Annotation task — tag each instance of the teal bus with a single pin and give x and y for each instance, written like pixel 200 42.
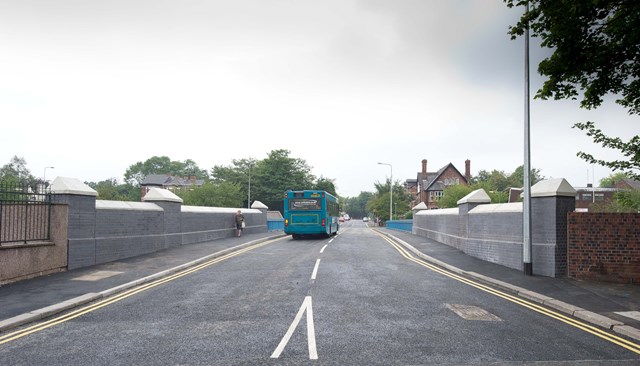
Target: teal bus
pixel 310 212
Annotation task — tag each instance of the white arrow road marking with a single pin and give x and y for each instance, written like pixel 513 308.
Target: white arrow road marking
pixel 311 333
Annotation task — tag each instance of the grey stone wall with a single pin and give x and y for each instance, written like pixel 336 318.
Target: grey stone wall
pixel 124 233
pixel 445 226
pixel 493 232
pixel 104 231
pixel 496 237
pixel 81 229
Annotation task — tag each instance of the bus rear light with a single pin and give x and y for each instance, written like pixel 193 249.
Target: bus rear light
pixel 286 222
pixel 324 223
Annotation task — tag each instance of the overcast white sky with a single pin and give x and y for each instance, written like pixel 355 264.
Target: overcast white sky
pixel 92 87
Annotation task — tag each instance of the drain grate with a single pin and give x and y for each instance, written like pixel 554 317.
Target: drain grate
pixel 470 312
pixel 96 276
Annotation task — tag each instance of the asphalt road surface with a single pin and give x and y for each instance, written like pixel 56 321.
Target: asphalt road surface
pixel 352 299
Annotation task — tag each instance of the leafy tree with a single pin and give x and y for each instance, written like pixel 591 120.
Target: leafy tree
pixel 612 180
pixel 623 201
pixel 629 149
pixel 213 194
pixel 325 184
pixel 270 177
pixel 278 173
pixel 356 207
pixel 452 194
pixel 162 165
pixel 496 180
pixel 110 189
pixel 499 181
pixel 379 203
pixel 595 52
pixel 516 179
pixel 240 172
pixel 16 172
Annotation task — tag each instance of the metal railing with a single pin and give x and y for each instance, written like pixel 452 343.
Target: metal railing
pixel 25 213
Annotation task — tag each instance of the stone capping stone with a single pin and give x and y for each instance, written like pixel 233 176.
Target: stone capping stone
pixel 497 208
pixel 419 207
pixel 66 185
pixel 160 194
pixel 125 205
pixel 442 211
pixel 553 187
pixel 204 209
pixel 259 205
pixel 477 196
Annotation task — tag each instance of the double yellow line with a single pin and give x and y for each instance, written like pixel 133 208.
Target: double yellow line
pixel 631 346
pixel 123 295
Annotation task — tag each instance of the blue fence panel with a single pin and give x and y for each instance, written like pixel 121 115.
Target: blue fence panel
pixel 402 225
pixel 275 225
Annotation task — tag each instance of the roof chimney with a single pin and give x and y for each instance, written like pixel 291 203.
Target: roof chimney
pixel 467 171
pixel 424 167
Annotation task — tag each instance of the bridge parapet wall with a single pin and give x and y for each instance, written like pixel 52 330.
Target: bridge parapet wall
pixel 493 232
pixel 103 231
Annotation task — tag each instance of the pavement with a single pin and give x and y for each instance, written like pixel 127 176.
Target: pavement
pixel 612 306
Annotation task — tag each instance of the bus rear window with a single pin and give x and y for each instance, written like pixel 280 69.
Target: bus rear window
pixel 304 204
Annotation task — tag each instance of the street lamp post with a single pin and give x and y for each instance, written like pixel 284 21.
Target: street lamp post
pixel 44 176
pixel 526 205
pixel 390 191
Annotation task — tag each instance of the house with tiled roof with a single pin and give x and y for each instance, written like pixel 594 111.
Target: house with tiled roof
pixel 430 186
pixel 628 183
pixel 168 181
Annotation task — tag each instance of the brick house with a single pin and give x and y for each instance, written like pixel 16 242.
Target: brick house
pixel 590 195
pixel 429 186
pixel 167 181
pixel 627 183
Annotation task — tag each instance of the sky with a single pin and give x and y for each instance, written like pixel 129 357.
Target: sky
pixel 93 87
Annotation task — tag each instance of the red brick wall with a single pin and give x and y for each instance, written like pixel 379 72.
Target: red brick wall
pixel 604 246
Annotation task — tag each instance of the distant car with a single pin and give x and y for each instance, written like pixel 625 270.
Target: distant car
pixel 365 219
pixel 341 219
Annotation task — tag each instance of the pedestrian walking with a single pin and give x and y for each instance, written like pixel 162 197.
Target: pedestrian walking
pixel 239 222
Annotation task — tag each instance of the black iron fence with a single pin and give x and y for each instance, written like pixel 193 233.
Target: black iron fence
pixel 25 212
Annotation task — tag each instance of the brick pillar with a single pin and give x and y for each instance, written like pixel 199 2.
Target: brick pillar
pixel 473 199
pixel 81 201
pixel 172 206
pixel 551 202
pixel 260 223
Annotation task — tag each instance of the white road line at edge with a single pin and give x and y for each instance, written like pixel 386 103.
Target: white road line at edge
pixel 311 334
pixel 322 250
pixel 315 270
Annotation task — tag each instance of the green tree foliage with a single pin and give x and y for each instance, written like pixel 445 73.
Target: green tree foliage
pixel 630 150
pixel 612 180
pixel 278 173
pixel 270 177
pixel 595 52
pixel 499 181
pixel 240 172
pixel 379 203
pixel 496 183
pixel 16 172
pixel 356 207
pixel 325 184
pixel 110 189
pixel 162 165
pixel 452 194
pixel 213 194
